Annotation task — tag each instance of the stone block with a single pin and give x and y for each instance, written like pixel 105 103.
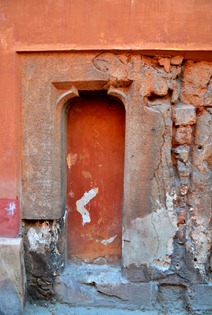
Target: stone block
pixel 92 285
pixel 142 295
pixel 12 276
pixel 172 295
pixel 201 299
pixel 184 115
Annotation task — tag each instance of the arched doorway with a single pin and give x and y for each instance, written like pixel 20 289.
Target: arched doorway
pixel 95 172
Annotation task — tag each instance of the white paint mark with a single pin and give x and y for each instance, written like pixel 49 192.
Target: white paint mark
pixel 109 240
pixel 11 208
pixel 86 198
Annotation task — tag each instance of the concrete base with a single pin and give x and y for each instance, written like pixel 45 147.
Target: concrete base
pixel 12 276
pixel 102 286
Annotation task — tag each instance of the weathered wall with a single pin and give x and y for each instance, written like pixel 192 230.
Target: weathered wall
pixel 167 182
pixel 170 101
pixel 48 26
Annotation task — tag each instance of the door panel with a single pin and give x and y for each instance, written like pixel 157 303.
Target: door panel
pixel 95 170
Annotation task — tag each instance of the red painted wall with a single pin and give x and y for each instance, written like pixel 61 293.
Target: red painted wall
pixel 37 25
pixel 9 217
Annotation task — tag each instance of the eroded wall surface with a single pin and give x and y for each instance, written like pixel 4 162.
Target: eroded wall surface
pixel 166 239
pixel 168 153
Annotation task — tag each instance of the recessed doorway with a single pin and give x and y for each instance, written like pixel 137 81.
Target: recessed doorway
pixel 95 173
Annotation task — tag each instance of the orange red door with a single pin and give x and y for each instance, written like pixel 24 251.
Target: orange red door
pixel 95 171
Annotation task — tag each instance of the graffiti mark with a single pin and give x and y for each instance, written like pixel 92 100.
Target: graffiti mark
pixel 80 204
pixel 11 208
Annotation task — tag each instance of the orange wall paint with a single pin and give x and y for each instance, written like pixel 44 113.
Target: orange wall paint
pixel 106 24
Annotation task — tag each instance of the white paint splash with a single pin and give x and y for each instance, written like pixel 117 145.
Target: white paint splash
pixel 86 198
pixel 109 240
pixel 11 208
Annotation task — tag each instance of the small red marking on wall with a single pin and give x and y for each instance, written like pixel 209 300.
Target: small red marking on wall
pixel 9 217
pixel 95 171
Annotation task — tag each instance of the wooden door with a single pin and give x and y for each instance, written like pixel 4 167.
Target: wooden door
pixel 95 171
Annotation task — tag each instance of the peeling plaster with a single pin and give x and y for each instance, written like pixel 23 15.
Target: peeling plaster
pixel 80 204
pixel 71 159
pixel 42 236
pixel 39 237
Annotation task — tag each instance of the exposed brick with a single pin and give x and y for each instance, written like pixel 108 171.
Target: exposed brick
pixel 196 88
pixel 176 60
pixel 184 115
pixel 165 62
pixel 183 135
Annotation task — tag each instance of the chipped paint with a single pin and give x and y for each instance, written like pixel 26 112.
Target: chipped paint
pixel 80 204
pixel 68 160
pixel 11 208
pixel 109 240
pixel 86 174
pixel 71 194
pixel 71 159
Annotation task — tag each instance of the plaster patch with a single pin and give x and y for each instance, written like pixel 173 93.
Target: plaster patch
pixel 80 204
pixel 109 240
pixel 151 237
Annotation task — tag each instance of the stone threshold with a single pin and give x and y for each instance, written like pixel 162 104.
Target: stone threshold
pixel 102 286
